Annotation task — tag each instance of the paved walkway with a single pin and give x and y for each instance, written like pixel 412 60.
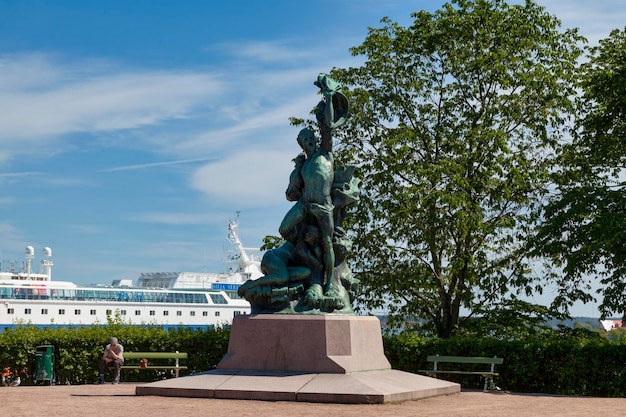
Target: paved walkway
pixel 121 401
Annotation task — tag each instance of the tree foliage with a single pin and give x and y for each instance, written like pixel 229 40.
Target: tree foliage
pixel 452 124
pixel 583 230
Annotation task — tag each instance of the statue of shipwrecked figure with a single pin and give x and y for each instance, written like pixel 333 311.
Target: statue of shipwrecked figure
pixel 309 272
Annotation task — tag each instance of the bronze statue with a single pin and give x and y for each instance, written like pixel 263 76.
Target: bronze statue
pixel 309 273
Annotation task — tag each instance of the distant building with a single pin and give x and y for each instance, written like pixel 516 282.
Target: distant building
pixel 609 325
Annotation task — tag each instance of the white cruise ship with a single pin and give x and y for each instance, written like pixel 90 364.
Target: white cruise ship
pixel 168 299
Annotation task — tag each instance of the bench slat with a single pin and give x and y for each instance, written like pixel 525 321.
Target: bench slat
pixel 152 367
pixel 465 359
pixel 472 360
pixel 440 371
pixel 155 355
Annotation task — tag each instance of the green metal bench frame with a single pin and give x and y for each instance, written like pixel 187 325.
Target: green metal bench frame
pixel 487 374
pixel 156 355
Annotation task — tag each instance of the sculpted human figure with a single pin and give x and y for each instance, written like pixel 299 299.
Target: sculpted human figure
pixel 272 291
pixel 317 173
pixel 308 253
pixel 309 273
pixel 312 182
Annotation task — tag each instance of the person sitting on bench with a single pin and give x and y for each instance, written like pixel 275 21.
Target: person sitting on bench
pixel 113 357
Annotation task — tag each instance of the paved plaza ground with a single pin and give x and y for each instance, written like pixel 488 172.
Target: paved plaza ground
pixel 121 401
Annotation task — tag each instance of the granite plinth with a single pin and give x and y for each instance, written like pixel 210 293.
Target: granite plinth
pixel 314 343
pixel 316 358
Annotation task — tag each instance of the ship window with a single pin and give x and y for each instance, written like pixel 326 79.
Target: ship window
pixel 77 312
pixel 217 314
pixel 92 312
pixel 123 312
pixel 166 313
pixel 11 311
pixel 137 312
pixel 205 313
pixel 218 299
pixel 179 313
pixel 61 311
pixel 200 299
pixel 192 313
pixel 152 312
pixel 27 311
pixel 233 295
pixel 44 311
pixel 237 313
pixel 109 312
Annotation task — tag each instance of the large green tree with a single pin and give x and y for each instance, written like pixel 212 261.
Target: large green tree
pixel 584 232
pixel 452 125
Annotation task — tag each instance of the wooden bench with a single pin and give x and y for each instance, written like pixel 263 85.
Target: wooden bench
pixel 476 360
pixel 156 355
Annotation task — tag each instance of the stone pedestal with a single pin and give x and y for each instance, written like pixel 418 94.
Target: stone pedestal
pixel 314 343
pixel 324 358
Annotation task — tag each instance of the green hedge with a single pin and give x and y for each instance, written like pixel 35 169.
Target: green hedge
pixel 571 364
pixel 78 350
pixel 556 364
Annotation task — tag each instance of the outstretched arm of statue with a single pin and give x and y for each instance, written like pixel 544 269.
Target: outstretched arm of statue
pixel 325 122
pixel 332 111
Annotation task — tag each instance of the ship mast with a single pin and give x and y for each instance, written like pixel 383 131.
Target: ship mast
pixel 46 263
pixel 233 237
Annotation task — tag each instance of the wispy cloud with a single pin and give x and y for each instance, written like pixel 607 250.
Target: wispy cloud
pixel 170 218
pixel 83 228
pixel 10 233
pixel 595 19
pixel 250 179
pixel 258 130
pixel 42 178
pixel 154 164
pixel 18 174
pixel 293 52
pixel 6 201
pixel 14 177
pixel 93 102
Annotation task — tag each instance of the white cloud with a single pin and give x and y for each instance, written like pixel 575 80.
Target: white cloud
pixel 42 179
pixel 247 178
pixel 44 100
pixel 13 177
pixel 595 19
pixel 171 218
pixel 28 72
pixel 266 127
pixel 7 201
pixel 88 229
pixel 152 165
pixel 298 53
pixel 18 174
pixel 10 233
pixel 97 102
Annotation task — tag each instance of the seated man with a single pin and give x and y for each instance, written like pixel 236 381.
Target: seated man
pixel 113 357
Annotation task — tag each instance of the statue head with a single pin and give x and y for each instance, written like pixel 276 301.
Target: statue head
pixel 307 140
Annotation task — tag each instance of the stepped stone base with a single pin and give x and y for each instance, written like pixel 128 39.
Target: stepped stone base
pixel 316 358
pixel 314 343
pixel 374 387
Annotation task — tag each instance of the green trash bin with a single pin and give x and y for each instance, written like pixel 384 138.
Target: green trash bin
pixel 44 365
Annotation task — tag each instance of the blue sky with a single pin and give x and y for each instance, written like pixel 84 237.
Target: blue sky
pixel 131 131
